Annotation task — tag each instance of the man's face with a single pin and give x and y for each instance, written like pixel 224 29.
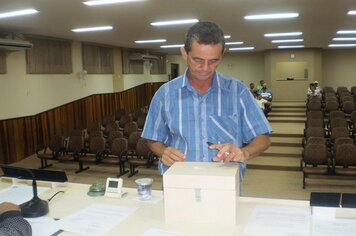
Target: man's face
pixel 202 60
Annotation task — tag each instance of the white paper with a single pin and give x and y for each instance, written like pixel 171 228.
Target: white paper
pixel 278 221
pixel 335 227
pixel 96 219
pixel 19 193
pixel 43 226
pixel 327 213
pixel 160 232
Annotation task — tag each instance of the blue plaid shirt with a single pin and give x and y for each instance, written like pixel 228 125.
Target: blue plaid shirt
pixel 181 117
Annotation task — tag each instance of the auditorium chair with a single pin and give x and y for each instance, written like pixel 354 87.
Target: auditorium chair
pixel 107 119
pixel 55 148
pixel 113 135
pixel 345 160
pixel 315 114
pixel 93 154
pixel 125 119
pixel 117 155
pixel 129 128
pixel 110 127
pixel 348 107
pixel 119 113
pixel 142 157
pixel 315 161
pixel 313 132
pixel 74 149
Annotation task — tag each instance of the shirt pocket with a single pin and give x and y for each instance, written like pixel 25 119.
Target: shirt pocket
pixel 223 129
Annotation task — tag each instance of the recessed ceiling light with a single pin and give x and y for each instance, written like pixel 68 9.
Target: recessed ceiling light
pixel 351 13
pixel 242 49
pixel 151 41
pixel 346 32
pixel 341 45
pixel 172 46
pixel 18 13
pixel 233 43
pixel 283 34
pixel 345 39
pixel 105 2
pixel 174 22
pixel 272 16
pixel 99 28
pixel 227 36
pixel 287 41
pixel 292 46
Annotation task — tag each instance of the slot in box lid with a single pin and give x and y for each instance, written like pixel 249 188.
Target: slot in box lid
pixel 204 175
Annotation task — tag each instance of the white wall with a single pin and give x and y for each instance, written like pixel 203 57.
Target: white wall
pixel 245 66
pixel 339 68
pixel 22 94
pixel 248 67
pixel 133 80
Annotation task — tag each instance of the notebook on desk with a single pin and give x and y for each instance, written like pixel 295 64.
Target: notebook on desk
pixel 348 200
pixel 325 199
pixel 344 200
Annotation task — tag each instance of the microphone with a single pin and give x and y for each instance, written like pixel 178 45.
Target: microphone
pixel 36 207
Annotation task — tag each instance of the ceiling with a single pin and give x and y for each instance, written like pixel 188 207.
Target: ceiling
pixel 318 20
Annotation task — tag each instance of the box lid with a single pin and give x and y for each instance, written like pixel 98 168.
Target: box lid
pixel 204 175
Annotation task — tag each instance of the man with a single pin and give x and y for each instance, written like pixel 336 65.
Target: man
pixel 202 107
pixel 260 85
pixel 253 88
pixel 312 91
pixel 262 103
pixel 11 221
pixel 265 92
pixel 317 87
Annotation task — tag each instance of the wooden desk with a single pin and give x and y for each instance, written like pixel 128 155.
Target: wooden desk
pixel 150 214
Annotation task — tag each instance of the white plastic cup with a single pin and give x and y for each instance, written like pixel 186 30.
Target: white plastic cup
pixel 144 188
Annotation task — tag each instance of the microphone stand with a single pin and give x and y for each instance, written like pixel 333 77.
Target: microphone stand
pixel 36 207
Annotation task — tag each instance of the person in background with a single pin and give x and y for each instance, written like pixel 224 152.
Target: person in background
pixel 262 103
pixel 11 221
pixel 259 87
pixel 317 88
pixel 203 115
pixel 253 89
pixel 265 92
pixel 312 91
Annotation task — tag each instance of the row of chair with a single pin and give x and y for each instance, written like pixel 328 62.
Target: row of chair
pixel 329 135
pixel 114 140
pixel 331 100
pixel 132 150
pixel 318 160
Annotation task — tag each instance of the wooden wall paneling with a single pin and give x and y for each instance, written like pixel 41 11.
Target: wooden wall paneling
pixel 30 135
pixel 3 143
pixel 20 137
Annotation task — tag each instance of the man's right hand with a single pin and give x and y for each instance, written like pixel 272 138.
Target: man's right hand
pixel 171 155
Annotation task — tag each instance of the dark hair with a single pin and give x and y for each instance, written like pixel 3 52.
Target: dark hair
pixel 204 32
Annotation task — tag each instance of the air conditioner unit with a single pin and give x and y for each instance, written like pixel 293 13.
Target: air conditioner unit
pixel 142 57
pixel 13 45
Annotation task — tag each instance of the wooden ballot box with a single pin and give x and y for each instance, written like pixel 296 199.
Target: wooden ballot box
pixel 201 192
